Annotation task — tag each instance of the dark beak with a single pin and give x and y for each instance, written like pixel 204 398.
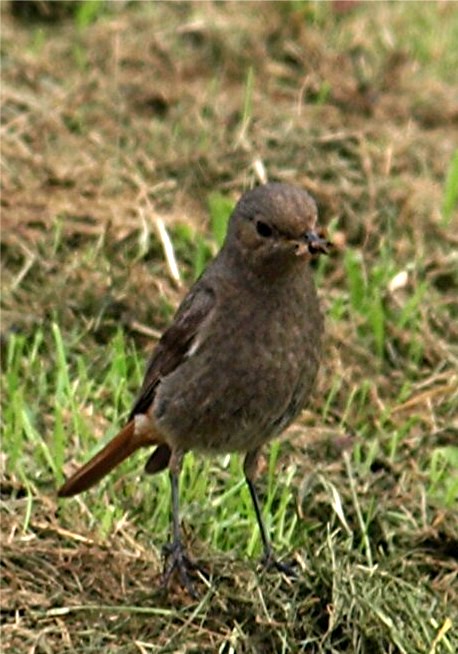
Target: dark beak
pixel 317 242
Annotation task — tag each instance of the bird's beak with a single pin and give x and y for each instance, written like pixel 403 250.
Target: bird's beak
pixel 313 242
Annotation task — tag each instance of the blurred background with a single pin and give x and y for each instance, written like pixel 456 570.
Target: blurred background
pixel 127 126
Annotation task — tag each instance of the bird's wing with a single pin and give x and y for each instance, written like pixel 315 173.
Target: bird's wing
pixel 175 343
pixel 169 353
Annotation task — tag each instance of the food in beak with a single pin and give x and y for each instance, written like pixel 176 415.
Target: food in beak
pixel 317 242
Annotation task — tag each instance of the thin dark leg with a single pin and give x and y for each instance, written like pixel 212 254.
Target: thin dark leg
pixel 175 482
pixel 269 558
pixel 176 558
pixel 268 552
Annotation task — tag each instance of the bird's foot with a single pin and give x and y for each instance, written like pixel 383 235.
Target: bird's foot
pixel 176 559
pixel 269 561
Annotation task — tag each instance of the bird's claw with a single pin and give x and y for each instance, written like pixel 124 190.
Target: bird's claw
pixel 176 559
pixel 269 561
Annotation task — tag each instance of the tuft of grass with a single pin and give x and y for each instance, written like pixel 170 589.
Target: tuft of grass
pixel 443 475
pixel 247 102
pixel 220 209
pixel 450 200
pixel 87 12
pixel 366 291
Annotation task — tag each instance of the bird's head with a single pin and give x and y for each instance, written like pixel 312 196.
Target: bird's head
pixel 276 225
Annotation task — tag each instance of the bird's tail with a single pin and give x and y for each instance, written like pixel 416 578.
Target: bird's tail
pixel 127 441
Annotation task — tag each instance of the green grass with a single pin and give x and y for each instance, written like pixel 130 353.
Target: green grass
pixel 450 202
pixel 344 544
pixel 163 109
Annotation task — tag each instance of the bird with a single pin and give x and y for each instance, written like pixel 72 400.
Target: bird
pixel 238 362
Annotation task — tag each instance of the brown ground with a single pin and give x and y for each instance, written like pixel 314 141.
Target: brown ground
pixel 144 113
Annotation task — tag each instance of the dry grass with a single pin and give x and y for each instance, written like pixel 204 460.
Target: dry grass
pixel 144 113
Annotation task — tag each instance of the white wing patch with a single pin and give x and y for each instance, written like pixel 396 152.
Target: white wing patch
pixel 193 347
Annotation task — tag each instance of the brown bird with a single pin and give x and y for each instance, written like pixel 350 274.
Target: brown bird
pixel 239 360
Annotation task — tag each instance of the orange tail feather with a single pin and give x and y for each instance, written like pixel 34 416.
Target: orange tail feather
pixel 118 449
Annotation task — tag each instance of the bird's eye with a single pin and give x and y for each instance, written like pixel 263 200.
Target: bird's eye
pixel 263 229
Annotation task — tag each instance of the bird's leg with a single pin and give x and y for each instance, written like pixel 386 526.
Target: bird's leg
pixel 269 559
pixel 175 554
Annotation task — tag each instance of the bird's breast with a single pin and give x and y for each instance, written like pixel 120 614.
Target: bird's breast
pixel 248 376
